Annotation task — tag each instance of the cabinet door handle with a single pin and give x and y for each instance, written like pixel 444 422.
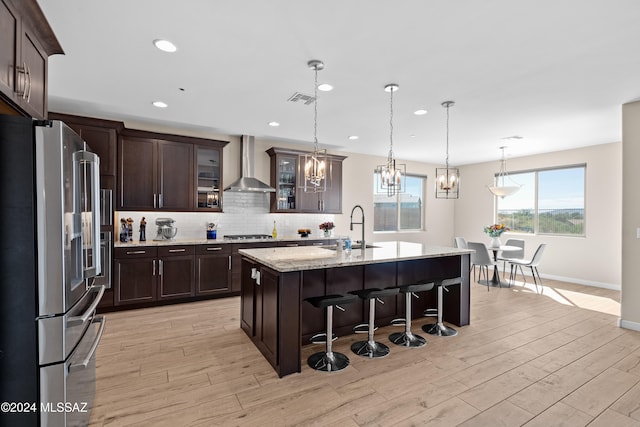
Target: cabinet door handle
pixel 160 269
pixel 154 200
pixel 160 200
pixel 214 249
pixel 136 252
pixel 154 268
pixel 177 250
pixel 229 262
pixel 317 244
pixel 23 70
pixel 292 245
pixel 29 78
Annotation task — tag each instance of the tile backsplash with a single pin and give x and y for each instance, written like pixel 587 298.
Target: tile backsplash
pixel 244 213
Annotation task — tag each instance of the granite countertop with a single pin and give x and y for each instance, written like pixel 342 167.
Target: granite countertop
pixel 283 259
pixel 219 240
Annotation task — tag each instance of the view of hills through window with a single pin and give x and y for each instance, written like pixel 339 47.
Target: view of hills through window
pixel 550 201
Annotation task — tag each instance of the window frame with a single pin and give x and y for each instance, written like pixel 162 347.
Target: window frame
pixel 423 209
pixel 536 214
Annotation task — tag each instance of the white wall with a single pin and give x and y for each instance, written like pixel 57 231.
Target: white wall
pixel 630 301
pixel 594 259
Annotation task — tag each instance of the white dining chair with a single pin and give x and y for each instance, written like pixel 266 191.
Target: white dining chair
pixel 482 259
pixel 518 254
pixel 532 264
pixel 460 242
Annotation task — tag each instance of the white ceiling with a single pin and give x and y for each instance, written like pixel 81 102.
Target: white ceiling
pixel 554 72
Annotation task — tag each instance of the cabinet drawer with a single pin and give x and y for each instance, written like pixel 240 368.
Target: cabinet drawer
pixel 164 251
pixel 213 249
pixel 135 252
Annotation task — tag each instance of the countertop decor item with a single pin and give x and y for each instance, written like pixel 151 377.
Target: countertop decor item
pixel 447 179
pixel 304 232
pixel 500 188
pixel 211 231
pixel 391 176
pixel 327 227
pixel 316 162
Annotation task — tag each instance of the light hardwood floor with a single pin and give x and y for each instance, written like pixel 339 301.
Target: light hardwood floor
pixel 525 359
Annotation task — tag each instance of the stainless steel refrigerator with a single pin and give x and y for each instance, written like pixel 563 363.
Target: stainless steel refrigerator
pixel 49 259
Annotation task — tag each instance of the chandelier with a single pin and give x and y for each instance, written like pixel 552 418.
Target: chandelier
pixel 447 179
pixel 391 176
pixel 315 163
pixel 503 188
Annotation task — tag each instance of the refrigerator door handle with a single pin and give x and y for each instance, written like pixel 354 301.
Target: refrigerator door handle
pixel 89 311
pixel 85 362
pixel 93 161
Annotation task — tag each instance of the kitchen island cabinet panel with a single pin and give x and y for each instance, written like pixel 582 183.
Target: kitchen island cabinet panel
pixel 313 319
pixel 343 280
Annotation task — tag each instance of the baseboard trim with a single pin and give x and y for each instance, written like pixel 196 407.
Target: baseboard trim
pixel 627 324
pixel 612 286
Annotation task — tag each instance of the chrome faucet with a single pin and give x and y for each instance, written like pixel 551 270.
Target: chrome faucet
pixel 361 223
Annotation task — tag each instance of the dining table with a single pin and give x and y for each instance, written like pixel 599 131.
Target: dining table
pixel 495 279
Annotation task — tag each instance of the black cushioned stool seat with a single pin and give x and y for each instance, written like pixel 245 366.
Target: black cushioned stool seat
pixel 371 348
pixel 407 338
pixel 328 360
pixel 440 328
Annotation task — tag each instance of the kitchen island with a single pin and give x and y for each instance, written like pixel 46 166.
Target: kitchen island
pixel 276 281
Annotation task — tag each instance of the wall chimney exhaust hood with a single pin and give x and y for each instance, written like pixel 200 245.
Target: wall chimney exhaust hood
pixel 247 183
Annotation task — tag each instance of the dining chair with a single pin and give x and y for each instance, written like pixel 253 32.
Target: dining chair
pixel 461 243
pixel 518 254
pixel 532 264
pixel 482 259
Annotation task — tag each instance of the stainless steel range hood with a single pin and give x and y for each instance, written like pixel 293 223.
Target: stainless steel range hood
pixel 247 183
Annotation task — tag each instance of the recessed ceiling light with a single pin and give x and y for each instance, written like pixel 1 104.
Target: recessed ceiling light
pixel 274 124
pixel 420 112
pixel 325 87
pixel 412 136
pixel 353 137
pixel 165 45
pixel 160 104
pixel 513 137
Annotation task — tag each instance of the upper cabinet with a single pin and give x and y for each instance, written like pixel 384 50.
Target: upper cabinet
pixel 27 42
pixel 162 172
pixel 286 179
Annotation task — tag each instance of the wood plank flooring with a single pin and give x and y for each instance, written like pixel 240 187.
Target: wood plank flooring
pixel 525 359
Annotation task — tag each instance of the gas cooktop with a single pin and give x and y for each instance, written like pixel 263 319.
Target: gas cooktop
pixel 248 237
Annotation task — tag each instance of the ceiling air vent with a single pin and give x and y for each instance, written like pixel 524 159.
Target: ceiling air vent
pixel 301 97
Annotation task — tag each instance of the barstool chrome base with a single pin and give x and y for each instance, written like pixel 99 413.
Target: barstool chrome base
pixel 440 330
pixel 322 361
pixel 370 349
pixel 407 339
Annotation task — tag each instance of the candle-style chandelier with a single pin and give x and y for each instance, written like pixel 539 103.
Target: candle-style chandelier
pixel 447 179
pixel 316 162
pixel 391 176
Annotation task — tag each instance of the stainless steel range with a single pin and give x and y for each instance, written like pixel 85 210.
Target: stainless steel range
pixel 49 185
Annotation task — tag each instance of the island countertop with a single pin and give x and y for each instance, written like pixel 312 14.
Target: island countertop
pixel 285 259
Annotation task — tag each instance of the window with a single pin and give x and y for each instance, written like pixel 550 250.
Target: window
pixel 551 201
pixel 402 212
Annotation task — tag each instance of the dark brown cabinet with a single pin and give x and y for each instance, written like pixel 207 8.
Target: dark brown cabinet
pixel 208 180
pixel 236 260
pixel 213 269
pixel 134 275
pixel 154 174
pixel 289 196
pixel 27 42
pixel 147 274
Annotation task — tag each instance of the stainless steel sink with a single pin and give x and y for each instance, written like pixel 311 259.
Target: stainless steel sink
pixel 356 246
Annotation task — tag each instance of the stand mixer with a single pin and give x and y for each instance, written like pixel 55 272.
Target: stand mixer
pixel 166 230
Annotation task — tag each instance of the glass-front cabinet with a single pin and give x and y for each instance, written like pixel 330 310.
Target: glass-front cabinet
pixel 284 174
pixel 208 178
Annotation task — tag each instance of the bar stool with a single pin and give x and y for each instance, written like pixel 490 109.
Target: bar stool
pixel 328 360
pixel 371 348
pixel 407 338
pixel 439 328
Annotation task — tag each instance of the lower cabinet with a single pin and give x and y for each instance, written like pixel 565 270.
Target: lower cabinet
pixel 147 274
pixel 213 269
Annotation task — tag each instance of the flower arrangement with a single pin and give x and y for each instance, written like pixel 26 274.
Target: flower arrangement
pixel 326 226
pixel 496 230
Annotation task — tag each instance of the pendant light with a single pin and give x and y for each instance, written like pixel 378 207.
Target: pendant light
pixel 315 163
pixel 391 176
pixel 502 187
pixel 447 179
